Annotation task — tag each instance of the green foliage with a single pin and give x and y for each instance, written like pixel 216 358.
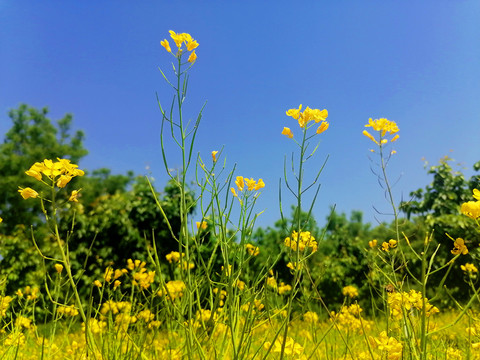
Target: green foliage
pixel 437 208
pixel 120 226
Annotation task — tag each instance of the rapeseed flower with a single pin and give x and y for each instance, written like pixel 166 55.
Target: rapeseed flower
pixel 166 45
pixel 4 304
pixel 469 268
pixel 201 225
pixel 310 317
pixel 390 347
pixel 252 250
pixel 459 247
pixel 180 39
pixel 283 288
pixel 471 209
pixel 287 132
pixel 251 184
pixel 174 256
pixel 74 196
pixel 193 57
pixel 307 116
pixel 58 268
pixel 350 291
pixel 173 290
pixel 382 126
pixel 291 347
pixel 214 156
pixel 305 240
pixel 28 193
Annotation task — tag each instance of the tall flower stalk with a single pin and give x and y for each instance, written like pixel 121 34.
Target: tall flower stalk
pixel 301 244
pixel 183 135
pixel 55 176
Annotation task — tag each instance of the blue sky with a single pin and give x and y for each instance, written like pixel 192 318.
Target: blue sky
pixel 417 63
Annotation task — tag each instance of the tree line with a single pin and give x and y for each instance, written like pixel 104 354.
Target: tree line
pixel 117 219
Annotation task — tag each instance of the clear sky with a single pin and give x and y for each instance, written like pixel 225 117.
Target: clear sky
pixel 414 62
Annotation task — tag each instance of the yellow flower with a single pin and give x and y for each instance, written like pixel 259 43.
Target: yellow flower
pixel 372 243
pixel 295 113
pixel 108 274
pixel 214 156
pixel 177 38
pixel 174 256
pixel 283 288
pixel 320 115
pixel 252 250
pixel 367 134
pixel 385 246
pixel 192 44
pixel 201 225
pixel 239 182
pixel 250 184
pixel 233 192
pixel 192 57
pixel 259 185
pixel 166 45
pixel 1 219
pixel 350 291
pixel 476 194
pixel 63 180
pixel 58 267
pixel 392 243
pixel 459 247
pixel 74 196
pixel 471 209
pixel 28 193
pixel 97 283
pixel 469 268
pixel 323 126
pixel 240 284
pixel 383 126
pixel 33 173
pixel 286 131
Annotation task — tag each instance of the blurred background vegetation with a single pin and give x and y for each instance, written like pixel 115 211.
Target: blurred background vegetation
pixel 117 219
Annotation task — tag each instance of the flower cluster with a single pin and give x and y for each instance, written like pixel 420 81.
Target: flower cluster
pixel 310 317
pixel 174 256
pixel 252 250
pixel 383 126
pixel 67 310
pixel 4 304
pixel 399 301
pixel 173 289
pixel 59 173
pixel 348 318
pixel 350 291
pixel 305 117
pixel 469 268
pixel 251 185
pixel 291 347
pixel 305 240
pixel 390 347
pixel 391 244
pixel 180 39
pixel 472 208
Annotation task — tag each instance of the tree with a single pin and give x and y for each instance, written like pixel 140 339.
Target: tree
pixel 437 206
